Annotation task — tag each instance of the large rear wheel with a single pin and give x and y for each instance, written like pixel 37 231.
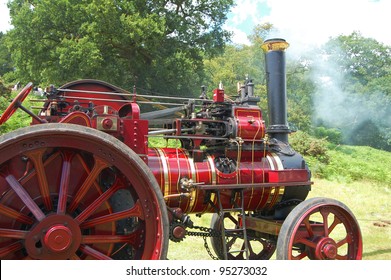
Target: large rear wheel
pixel 72 192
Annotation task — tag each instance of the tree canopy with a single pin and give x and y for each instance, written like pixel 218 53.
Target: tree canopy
pixel 341 91
pixel 353 92
pixel 157 44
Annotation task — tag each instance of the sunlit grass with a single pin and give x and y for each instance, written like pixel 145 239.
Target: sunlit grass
pixel 369 202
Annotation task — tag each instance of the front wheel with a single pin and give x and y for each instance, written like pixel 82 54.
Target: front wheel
pixel 320 229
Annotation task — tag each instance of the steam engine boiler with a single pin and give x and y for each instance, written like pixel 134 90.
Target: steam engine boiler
pixel 85 182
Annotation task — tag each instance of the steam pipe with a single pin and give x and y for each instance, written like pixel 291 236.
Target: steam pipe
pixel 274 50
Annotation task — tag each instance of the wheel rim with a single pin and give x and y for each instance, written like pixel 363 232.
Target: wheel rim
pixel 324 230
pixel 259 248
pixel 70 192
pixel 15 103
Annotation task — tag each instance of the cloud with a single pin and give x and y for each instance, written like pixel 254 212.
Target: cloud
pixel 313 22
pixel 317 21
pixel 246 11
pixel 238 36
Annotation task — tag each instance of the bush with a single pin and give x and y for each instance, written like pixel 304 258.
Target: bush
pixel 332 135
pixel 307 145
pixel 4 96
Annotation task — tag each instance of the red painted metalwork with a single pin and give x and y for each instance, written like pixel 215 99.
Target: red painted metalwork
pixel 321 229
pixel 170 165
pixel 15 104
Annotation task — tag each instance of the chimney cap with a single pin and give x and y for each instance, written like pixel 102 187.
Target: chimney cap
pixel 275 44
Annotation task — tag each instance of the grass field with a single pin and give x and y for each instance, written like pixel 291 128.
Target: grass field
pixel 370 203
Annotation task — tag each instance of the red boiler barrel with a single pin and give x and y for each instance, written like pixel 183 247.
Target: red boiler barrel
pixel 171 165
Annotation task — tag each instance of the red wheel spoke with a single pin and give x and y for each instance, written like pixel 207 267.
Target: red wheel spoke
pixel 106 239
pixel 64 183
pixel 98 202
pixel 93 253
pixel 336 222
pixel 301 256
pixel 339 257
pixel 325 215
pixel 306 242
pixel 342 242
pixel 10 249
pixel 11 213
pixel 135 211
pixel 36 157
pixel 12 233
pixel 308 226
pixel 119 249
pixel 24 196
pixel 98 167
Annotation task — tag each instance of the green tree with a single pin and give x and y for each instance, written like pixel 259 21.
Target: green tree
pixel 5 57
pixel 355 93
pixel 5 94
pixel 239 62
pixel 157 44
pixel 361 59
pixel 300 89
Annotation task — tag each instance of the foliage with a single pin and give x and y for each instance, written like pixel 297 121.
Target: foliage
pixel 341 91
pixel 157 44
pixel 354 90
pixel 362 59
pixel 342 162
pixel 307 145
pixel 4 96
pixel 19 118
pixel 237 63
pixel 5 57
pixel 332 135
pixel 354 163
pixel 299 96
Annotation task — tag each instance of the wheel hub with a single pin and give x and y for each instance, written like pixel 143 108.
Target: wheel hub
pixel 326 248
pixel 55 237
pixel 58 238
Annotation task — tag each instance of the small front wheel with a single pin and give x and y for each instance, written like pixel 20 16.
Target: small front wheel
pixel 320 229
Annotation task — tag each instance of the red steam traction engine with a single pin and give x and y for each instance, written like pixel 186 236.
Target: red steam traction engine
pixel 82 183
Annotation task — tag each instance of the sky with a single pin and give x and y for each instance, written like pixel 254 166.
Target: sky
pixel 301 22
pixel 313 22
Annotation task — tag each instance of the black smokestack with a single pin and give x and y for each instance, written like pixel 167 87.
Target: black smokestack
pixel 276 88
